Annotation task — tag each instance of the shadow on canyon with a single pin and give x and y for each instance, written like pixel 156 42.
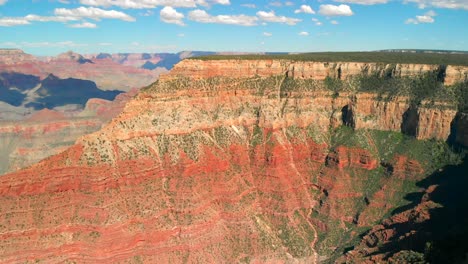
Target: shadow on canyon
pixel 443 238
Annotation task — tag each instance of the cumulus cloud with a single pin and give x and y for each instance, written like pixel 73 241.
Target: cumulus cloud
pixel 92 13
pixel 428 17
pixel 267 34
pixel 362 2
pixel 12 21
pixel 170 15
pixel 84 25
pixel 333 10
pixel 3 2
pixel 334 22
pixel 139 4
pixel 303 33
pixel 272 17
pixel 450 4
pixel 305 9
pixel 202 16
pixel 68 15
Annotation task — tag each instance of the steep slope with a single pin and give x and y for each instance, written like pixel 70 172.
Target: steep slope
pixel 237 161
pixel 49 132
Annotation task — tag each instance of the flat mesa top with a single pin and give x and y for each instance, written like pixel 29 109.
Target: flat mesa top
pixel 442 58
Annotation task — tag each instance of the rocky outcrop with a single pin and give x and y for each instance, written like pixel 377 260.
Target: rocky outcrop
pixel 308 70
pixel 49 132
pixel 11 56
pixel 217 170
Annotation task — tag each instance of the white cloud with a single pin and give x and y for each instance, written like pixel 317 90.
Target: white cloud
pixel 84 25
pixel 3 2
pixel 317 22
pixel 140 4
pixel 50 18
pixel 202 16
pixel 333 10
pixel 267 34
pixel 431 13
pixel 451 4
pixel 305 9
pixel 272 17
pixel 362 2
pixel 276 4
pixel 334 22
pixel 426 18
pixel 12 21
pixel 147 13
pixel 249 5
pixel 170 15
pixel 288 3
pixel 93 13
pixel 303 33
pixel 181 35
pixel 208 3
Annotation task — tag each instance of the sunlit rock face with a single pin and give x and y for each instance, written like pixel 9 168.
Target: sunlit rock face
pixel 219 163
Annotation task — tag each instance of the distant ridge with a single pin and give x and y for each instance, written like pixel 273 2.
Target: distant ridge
pixel 425 51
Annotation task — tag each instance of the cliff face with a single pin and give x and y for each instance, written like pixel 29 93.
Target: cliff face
pixel 228 169
pixel 308 70
pixel 48 132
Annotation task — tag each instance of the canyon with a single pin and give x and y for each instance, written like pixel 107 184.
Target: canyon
pixel 254 161
pixel 60 98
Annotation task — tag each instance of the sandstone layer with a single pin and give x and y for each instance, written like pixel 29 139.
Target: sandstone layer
pixel 309 70
pixel 221 170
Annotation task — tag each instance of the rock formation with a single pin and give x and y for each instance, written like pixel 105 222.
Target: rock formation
pixel 223 162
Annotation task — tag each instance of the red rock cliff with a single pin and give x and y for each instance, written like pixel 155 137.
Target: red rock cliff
pixel 212 171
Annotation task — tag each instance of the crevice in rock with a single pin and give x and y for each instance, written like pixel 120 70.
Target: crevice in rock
pixel 441 72
pixel 409 125
pixel 347 116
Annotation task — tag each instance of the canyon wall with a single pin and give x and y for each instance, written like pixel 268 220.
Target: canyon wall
pixel 228 169
pixel 47 132
pixel 195 68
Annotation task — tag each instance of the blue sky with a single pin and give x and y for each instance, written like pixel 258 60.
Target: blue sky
pixel 49 27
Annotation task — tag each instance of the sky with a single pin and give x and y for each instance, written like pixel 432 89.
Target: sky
pixel 50 27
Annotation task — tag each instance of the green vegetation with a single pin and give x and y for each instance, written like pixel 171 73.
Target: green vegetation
pixel 461 94
pixel 383 57
pixel 384 146
pixel 408 256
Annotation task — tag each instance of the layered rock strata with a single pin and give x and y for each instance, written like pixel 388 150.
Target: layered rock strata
pixel 225 169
